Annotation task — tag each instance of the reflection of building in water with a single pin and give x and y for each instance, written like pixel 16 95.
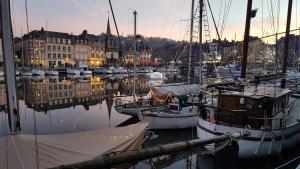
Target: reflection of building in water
pixel 58 93
pixel 36 92
pixel 142 86
pixel 2 96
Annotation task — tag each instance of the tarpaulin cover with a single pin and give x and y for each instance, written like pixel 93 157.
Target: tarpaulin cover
pixel 21 151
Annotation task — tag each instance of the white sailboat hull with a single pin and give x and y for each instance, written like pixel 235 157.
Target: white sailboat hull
pixel 73 72
pixel 166 120
pixel 86 72
pixel 259 144
pixel 171 122
pixel 52 73
pixel 37 72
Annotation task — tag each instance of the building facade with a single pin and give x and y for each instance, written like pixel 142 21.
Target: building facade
pixel 59 51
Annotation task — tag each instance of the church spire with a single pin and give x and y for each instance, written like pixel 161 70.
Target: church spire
pixel 108 31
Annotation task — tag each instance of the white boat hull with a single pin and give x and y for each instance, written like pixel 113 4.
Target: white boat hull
pixel 37 72
pixel 185 118
pixel 73 72
pixel 259 144
pixel 52 73
pixel 157 122
pixel 132 111
pixel 24 73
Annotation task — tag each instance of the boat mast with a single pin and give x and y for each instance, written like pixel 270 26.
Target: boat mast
pixel 200 41
pixel 134 57
pixel 7 45
pixel 191 42
pixel 246 40
pixel 286 42
pixel 119 39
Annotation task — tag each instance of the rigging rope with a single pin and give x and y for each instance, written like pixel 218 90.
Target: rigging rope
pixel 36 141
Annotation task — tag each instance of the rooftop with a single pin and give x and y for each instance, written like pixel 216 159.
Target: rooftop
pixel 259 92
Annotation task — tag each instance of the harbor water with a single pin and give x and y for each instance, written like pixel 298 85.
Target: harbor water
pixel 65 104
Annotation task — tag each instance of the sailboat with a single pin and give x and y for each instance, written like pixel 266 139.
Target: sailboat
pixel 267 113
pixel 170 115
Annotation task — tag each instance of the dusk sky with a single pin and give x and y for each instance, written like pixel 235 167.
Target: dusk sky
pixel 156 18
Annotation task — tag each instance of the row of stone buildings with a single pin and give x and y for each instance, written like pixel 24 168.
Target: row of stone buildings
pixel 48 49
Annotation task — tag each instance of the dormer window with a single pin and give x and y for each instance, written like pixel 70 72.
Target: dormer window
pixel 53 40
pixel 58 40
pixel 64 41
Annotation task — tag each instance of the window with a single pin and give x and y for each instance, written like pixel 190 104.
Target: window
pixel 53 40
pixel 50 87
pixel 58 40
pixel 60 86
pixel 54 48
pixel 69 49
pixel 69 41
pixel 65 87
pixel 54 55
pixel 48 40
pixel 64 41
pixel 49 48
pixel 64 48
pixel 58 48
pixel 59 56
pixel 64 56
pixel 49 56
pixel 69 56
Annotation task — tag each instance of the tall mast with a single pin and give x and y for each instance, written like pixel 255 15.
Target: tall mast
pixel 200 41
pixel 22 49
pixel 286 42
pixel 119 39
pixel 7 45
pixel 246 39
pixel 191 41
pixel 134 57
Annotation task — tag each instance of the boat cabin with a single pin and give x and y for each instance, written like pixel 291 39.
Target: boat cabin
pixel 255 106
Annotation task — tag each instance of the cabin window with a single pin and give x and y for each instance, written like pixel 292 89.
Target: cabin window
pixel 174 107
pixel 242 101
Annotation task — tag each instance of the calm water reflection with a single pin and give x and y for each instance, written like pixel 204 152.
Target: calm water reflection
pixel 70 104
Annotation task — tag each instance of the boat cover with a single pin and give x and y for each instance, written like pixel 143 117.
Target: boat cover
pixel 176 90
pixel 21 151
